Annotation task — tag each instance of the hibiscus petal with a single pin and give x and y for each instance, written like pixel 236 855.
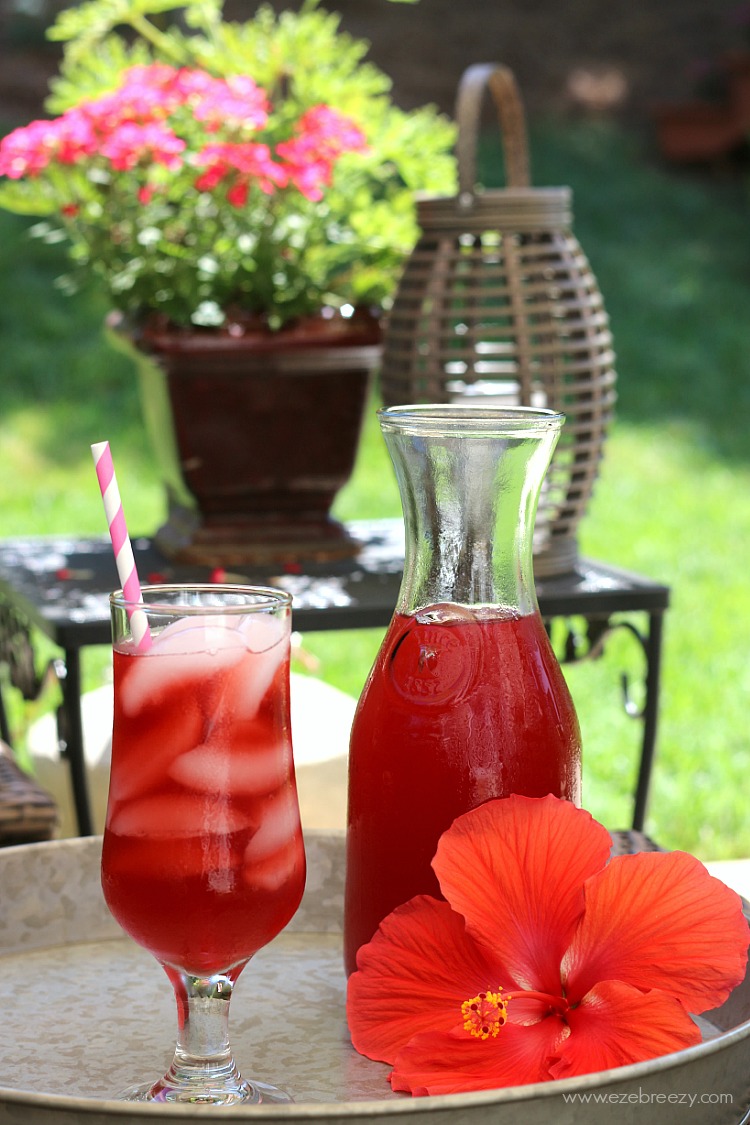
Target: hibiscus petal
pixel 414 975
pixel 515 869
pixel 455 1063
pixel 660 921
pixel 615 1025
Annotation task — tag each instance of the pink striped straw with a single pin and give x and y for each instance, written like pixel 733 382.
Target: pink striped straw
pixel 131 587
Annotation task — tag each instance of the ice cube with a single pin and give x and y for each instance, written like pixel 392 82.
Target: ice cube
pixel 257 632
pixel 261 768
pixel 205 768
pixel 279 821
pixel 209 634
pixel 217 857
pixel 270 873
pixel 215 767
pixel 147 743
pixel 262 631
pixel 177 816
pixel 249 680
pixel 189 649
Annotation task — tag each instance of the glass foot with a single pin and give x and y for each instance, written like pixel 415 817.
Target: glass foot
pixel 195 1093
pixel 203 1071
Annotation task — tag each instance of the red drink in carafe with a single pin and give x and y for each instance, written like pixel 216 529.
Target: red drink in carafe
pixel 462 705
pixel 466 701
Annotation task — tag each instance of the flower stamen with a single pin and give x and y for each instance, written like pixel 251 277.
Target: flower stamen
pixel 485 1013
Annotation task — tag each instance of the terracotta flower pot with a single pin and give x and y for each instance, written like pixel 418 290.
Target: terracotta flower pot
pixel 256 433
pixel 704 131
pixel 697 132
pixel 738 81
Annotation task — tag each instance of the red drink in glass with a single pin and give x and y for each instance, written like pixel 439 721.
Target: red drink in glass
pixel 462 705
pixel 203 861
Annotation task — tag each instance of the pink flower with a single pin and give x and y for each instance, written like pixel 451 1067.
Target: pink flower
pixel 75 137
pixel 235 102
pixel 145 94
pixel 128 144
pixel 327 133
pixel 237 194
pixel 322 136
pixel 121 125
pixel 29 150
pixel 241 165
pixel 310 179
pixel 148 118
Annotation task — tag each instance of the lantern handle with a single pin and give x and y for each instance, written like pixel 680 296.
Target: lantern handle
pixel 502 85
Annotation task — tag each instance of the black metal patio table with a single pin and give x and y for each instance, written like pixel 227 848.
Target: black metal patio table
pixel 61 585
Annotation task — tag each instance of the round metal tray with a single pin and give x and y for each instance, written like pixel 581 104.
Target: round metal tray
pixel 84 1012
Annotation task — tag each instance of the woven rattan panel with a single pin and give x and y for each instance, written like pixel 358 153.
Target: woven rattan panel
pixel 27 813
pixel 498 304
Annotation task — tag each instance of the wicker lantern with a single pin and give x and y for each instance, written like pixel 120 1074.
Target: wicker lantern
pixel 498 300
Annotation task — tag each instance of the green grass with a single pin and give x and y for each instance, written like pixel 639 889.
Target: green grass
pixel 670 252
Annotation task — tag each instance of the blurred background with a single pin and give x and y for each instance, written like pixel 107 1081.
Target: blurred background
pixel 667 233
pixel 627 55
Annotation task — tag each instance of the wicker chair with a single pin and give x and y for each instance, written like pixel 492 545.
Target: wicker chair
pixel 27 812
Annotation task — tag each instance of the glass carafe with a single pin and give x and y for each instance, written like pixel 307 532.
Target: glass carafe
pixel 466 700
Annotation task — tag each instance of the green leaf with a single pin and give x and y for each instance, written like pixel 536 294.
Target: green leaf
pixel 93 20
pixel 204 14
pixel 27 198
pixel 94 73
pixel 86 26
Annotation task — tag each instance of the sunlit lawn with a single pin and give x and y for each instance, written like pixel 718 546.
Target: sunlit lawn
pixel 673 501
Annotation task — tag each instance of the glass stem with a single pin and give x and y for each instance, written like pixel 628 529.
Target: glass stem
pixel 203 1070
pixel 203 1057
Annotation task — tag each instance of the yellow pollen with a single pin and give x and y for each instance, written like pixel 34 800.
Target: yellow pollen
pixel 485 1014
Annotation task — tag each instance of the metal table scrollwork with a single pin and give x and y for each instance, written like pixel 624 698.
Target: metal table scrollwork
pixel 61 585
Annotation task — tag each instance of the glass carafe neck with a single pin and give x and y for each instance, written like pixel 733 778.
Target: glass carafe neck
pixel 470 479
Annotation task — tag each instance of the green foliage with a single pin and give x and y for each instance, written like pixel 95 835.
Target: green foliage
pixel 27 199
pixel 159 243
pixel 86 25
pixel 92 73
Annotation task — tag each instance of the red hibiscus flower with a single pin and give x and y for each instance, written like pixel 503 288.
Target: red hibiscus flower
pixel 548 959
